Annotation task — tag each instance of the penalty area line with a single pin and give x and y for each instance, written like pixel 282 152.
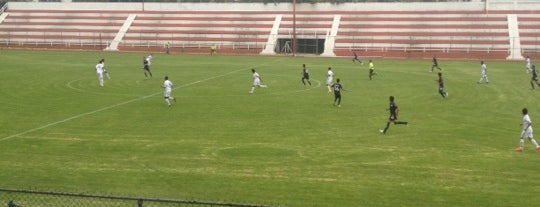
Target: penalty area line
pixel 112 106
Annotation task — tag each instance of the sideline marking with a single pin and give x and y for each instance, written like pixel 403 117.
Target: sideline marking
pixel 115 105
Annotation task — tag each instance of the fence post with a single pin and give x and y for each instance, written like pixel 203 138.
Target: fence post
pixel 140 203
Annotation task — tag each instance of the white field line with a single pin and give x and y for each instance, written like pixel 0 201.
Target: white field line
pixel 113 106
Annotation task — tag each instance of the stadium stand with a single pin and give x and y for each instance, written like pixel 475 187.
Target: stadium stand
pixel 60 28
pixel 529 29
pixel 401 34
pixel 458 34
pixel 197 31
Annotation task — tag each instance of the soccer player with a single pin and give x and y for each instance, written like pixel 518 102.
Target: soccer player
pixel 149 59
pixel 305 75
pixel 256 81
pixel 99 71
pixel 213 50
pixel 528 64
pixel 337 92
pixel 355 58
pixel 329 79
pixel 371 69
pixel 441 86
pixel 527 132
pixel 167 85
pixel 534 78
pixel 394 110
pixel 435 64
pixel 483 75
pixel 168 48
pixel 146 68
pixel 105 71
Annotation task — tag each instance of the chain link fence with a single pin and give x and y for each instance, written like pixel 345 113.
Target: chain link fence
pixel 26 198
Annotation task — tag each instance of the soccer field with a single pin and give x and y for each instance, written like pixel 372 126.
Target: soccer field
pixel 282 145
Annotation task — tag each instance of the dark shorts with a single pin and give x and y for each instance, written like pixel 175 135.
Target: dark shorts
pixel 392 118
pixel 370 71
pixel 441 89
pixel 306 76
pixel 146 67
pixel 337 94
pixel 534 78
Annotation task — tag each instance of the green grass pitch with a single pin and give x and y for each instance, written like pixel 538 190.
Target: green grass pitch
pixel 283 145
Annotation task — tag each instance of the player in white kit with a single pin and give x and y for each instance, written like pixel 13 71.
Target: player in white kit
pixel 99 71
pixel 149 59
pixel 527 132
pixel 256 81
pixel 167 94
pixel 104 70
pixel 329 79
pixel 483 75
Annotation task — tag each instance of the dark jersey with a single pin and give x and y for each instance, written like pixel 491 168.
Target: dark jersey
pixel 393 111
pixel 355 55
pixel 435 62
pixel 305 72
pixel 337 88
pixel 534 74
pixel 441 83
pixel 393 108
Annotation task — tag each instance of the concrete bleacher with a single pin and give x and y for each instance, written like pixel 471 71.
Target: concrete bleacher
pixel 187 31
pixel 445 34
pixel 457 34
pixel 59 28
pixel 529 29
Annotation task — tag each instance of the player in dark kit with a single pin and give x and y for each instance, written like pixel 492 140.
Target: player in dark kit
pixel 146 68
pixel 435 65
pixel 355 58
pixel 305 75
pixel 534 78
pixel 337 92
pixel 441 86
pixel 393 116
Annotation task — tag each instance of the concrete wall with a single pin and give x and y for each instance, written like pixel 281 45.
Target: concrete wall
pixel 252 6
pixel 416 6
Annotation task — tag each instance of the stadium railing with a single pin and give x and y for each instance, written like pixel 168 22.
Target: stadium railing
pixel 20 198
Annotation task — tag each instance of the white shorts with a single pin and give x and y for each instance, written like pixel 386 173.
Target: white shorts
pixel 256 82
pixel 167 93
pixel 527 133
pixel 100 76
pixel 329 81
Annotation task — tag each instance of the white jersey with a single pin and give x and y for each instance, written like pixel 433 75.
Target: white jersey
pixel 526 122
pixel 168 88
pixel 484 68
pixel 149 59
pixel 256 79
pixel 167 85
pixel 99 68
pixel 330 77
pixel 528 63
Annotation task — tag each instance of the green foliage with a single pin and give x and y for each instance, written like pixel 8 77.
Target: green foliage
pixel 282 145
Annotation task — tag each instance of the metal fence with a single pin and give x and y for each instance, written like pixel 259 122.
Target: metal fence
pixel 26 198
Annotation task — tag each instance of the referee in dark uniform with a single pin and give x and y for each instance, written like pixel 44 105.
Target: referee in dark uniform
pixel 393 115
